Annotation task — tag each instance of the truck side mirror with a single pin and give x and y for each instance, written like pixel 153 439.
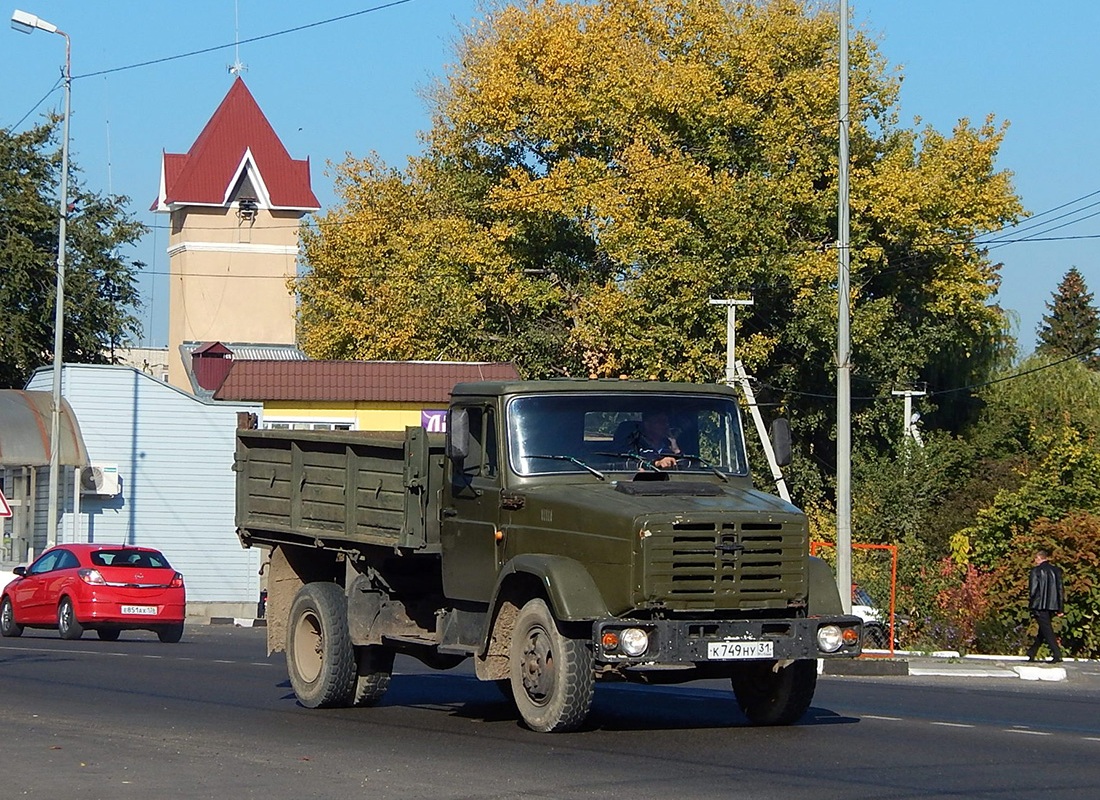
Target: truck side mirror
pixel 781 441
pixel 458 434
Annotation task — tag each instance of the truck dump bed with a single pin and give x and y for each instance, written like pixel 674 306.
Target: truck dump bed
pixel 338 489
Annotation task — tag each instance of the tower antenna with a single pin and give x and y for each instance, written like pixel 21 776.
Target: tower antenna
pixel 236 68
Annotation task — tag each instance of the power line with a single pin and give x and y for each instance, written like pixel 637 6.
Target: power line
pixel 243 41
pixel 36 105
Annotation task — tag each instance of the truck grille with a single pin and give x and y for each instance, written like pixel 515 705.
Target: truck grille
pixel 722 564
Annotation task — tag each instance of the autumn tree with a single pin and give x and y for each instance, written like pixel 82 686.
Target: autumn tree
pixel 597 171
pixel 101 295
pixel 1071 326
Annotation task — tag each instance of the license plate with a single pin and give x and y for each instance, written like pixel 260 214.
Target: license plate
pixel 145 611
pixel 733 650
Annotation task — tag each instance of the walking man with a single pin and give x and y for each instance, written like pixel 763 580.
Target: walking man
pixel 1046 596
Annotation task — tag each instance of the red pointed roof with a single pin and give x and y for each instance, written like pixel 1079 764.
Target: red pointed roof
pixel 237 137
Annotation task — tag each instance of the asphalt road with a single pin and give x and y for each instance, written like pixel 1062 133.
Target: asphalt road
pixel 213 717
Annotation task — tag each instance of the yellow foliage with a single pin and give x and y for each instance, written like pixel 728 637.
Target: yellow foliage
pixel 597 171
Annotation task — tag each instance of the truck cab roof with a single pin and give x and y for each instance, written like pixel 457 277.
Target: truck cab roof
pixel 499 388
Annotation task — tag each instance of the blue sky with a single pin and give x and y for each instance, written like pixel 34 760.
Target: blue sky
pixel 354 86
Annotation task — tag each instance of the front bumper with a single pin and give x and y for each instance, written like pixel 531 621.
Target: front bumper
pixel 685 642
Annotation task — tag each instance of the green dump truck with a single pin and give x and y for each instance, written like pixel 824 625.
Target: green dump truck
pixel 559 534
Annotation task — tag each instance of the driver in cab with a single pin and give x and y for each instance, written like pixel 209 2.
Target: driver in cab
pixel 656 442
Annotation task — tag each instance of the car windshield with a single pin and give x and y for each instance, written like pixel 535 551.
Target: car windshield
pixel 129 558
pixel 592 432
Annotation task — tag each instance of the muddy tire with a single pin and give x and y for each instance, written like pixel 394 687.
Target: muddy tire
pixel 551 673
pixel 8 625
pixel 768 696
pixel 320 659
pixel 67 624
pixel 374 666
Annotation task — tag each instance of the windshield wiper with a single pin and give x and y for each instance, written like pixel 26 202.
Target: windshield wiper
pixel 702 462
pixel 576 461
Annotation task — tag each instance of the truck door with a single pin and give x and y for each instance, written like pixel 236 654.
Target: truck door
pixel 470 518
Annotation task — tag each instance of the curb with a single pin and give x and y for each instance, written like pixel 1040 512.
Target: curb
pixel 240 622
pixel 1030 673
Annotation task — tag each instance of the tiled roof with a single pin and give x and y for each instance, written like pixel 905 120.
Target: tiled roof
pixel 350 381
pixel 238 132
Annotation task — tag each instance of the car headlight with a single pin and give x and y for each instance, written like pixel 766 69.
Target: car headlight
pixel 829 638
pixel 634 641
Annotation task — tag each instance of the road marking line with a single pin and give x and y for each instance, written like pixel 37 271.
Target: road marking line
pixel 876 716
pixel 1029 733
pixel 953 724
pixel 1091 738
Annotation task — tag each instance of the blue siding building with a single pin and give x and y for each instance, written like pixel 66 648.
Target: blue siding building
pixel 175 484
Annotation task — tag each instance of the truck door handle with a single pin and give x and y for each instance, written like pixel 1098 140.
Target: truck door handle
pixel 449 512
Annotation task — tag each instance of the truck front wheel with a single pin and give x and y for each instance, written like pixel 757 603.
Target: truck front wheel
pixel 320 658
pixel 551 673
pixel 774 696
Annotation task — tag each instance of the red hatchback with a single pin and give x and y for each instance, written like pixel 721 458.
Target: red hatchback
pixel 102 587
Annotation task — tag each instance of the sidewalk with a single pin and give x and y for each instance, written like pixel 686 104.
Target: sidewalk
pixel 948 663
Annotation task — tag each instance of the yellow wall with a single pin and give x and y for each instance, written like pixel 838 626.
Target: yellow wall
pixel 364 416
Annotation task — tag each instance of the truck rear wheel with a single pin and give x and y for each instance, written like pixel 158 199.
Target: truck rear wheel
pixel 320 659
pixel 373 671
pixel 770 696
pixel 551 673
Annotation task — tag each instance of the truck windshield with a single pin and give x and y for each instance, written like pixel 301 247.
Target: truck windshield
pixel 625 432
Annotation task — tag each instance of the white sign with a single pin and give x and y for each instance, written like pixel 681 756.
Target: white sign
pixel 5 509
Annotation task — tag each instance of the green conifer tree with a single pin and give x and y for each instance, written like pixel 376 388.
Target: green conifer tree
pixel 1072 325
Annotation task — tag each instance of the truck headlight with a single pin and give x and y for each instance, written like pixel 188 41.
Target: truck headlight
pixel 829 638
pixel 634 641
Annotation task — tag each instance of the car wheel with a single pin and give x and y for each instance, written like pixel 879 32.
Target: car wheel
pixel 67 624
pixel 170 634
pixel 8 625
pixel 108 634
pixel 320 658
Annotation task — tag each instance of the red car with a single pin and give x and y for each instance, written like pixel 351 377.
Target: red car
pixel 108 588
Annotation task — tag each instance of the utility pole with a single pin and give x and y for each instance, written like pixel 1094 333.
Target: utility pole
pixel 735 373
pixel 843 346
pixel 731 334
pixel 908 426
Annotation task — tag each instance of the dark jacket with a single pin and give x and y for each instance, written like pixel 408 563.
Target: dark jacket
pixel 1044 586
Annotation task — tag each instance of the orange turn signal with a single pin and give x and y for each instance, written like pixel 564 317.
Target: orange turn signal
pixel 610 640
pixel 850 636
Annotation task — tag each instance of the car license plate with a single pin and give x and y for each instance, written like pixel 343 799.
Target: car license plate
pixel 145 611
pixel 732 650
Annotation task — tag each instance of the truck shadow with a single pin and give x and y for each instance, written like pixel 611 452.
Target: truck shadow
pixel 616 706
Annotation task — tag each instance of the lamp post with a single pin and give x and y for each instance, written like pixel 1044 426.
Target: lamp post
pixel 28 23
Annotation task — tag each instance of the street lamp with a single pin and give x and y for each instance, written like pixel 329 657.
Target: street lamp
pixel 28 23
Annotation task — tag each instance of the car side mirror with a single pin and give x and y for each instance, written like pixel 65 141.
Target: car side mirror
pixel 458 434
pixel 781 441
pixel 20 571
